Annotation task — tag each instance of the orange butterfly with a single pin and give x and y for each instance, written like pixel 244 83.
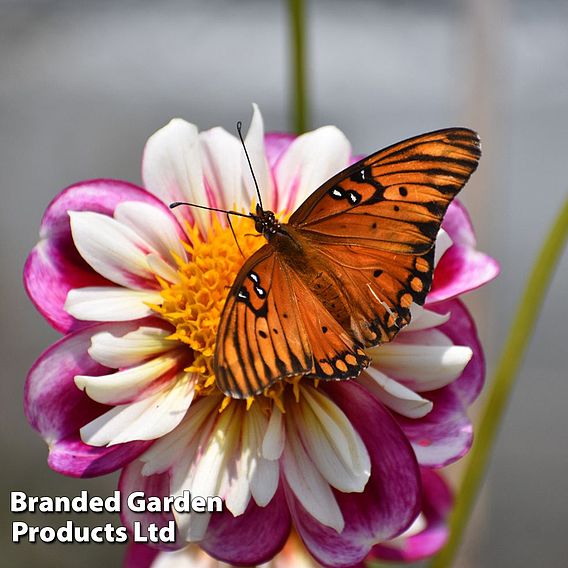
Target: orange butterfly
pixel 342 274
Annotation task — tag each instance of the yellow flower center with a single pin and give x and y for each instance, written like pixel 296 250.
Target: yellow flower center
pixel 194 304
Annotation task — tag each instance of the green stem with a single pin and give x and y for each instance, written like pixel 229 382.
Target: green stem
pixel 502 384
pixel 298 94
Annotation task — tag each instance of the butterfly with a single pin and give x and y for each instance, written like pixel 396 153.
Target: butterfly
pixel 342 274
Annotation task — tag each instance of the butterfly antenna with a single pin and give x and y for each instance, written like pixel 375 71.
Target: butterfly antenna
pixel 239 130
pixel 235 236
pixel 178 203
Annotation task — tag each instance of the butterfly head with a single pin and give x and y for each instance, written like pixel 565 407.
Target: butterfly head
pixel 265 222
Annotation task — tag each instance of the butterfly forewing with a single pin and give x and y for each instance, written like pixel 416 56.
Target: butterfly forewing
pixel 395 199
pixel 261 337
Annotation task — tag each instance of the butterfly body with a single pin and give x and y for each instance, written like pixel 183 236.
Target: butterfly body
pixel 342 274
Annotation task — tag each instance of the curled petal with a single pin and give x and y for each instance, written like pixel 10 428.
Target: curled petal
pixel 146 419
pixel 255 146
pixel 461 270
pixel 221 155
pixel 117 351
pixel 54 266
pixel 127 385
pixel 460 328
pixel 422 360
pixel 57 409
pixel 436 505
pixel 394 395
pixel 158 228
pixel 308 162
pixel 171 170
pixel 442 436
pixel 110 303
pixel 112 249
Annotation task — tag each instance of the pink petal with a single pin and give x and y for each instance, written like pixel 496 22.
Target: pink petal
pixel 460 328
pixel 437 502
pixel 251 538
pixel 457 223
pixel 57 409
pixel 54 266
pixel 139 556
pixel 390 500
pixel 460 270
pixel 70 456
pixel 156 485
pixel 442 436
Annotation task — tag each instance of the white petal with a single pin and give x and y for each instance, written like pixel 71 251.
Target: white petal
pixel 156 227
pixel 146 419
pixel 307 483
pixel 262 474
pixel 443 243
pixel 167 451
pixel 109 303
pixel 423 360
pixel 332 443
pixel 171 169
pixel 114 250
pixel 221 159
pixel 130 348
pixel 207 472
pixel 394 395
pixel 124 386
pixel 162 269
pixel 424 319
pixel 264 482
pixel 255 145
pixel 273 443
pixel 310 161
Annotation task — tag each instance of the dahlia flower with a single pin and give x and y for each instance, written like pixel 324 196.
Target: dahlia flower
pixel 138 289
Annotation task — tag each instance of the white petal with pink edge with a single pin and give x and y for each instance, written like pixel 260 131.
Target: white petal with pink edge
pixel 310 161
pixel 131 348
pixel 422 360
pixel 154 226
pixel 109 303
pixel 112 249
pixel 255 146
pixel 221 161
pixel 394 395
pixel 331 441
pixel 306 482
pixel 171 169
pixel 146 419
pixel 124 386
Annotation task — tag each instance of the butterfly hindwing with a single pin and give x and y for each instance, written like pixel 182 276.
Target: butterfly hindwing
pixel 394 199
pixel 265 334
pixel 373 290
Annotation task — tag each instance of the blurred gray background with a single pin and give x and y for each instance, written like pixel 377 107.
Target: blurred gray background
pixel 83 84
